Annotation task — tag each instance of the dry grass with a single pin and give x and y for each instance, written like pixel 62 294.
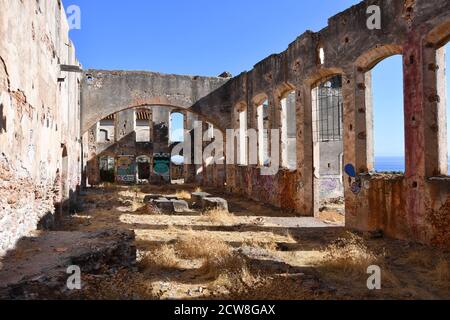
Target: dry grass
pixel 182 194
pixel 219 216
pixel 122 285
pixel 147 209
pixel 108 186
pixel 420 258
pixel 269 245
pixel 349 255
pixel 164 257
pixel 442 272
pixel 220 262
pixel 201 246
pixel 198 189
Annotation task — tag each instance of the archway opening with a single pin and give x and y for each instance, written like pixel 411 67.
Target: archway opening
pixel 106 130
pixel 289 131
pixel 328 147
pixel 143 126
pixel 143 169
pixel 176 137
pixel 107 165
pixel 263 124
pixel 176 127
pixel 385 81
pixel 442 83
pixel 242 139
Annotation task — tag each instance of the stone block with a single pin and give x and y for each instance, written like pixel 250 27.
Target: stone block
pixel 151 197
pixel 214 203
pixel 166 206
pixel 181 206
pixel 197 198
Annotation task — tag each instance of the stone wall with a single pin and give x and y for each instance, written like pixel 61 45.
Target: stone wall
pixel 39 116
pixel 413 206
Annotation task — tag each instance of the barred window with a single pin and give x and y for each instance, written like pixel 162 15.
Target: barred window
pixel 327 103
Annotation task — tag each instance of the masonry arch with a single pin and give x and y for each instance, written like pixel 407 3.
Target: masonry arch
pixel 320 74
pixel 439 35
pixel 369 59
pixel 107 92
pixel 175 108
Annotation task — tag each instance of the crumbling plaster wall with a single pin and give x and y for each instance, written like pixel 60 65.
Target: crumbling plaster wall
pixel 39 116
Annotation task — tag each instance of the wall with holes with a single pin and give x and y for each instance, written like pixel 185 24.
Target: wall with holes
pixel 39 118
pixel 411 206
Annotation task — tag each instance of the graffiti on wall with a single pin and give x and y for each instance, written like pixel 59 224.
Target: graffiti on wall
pixel 161 165
pixel 355 180
pixel 126 169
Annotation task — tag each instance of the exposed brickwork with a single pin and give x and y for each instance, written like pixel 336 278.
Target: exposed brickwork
pixel 38 116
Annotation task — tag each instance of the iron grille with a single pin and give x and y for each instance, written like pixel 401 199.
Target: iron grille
pixel 327 110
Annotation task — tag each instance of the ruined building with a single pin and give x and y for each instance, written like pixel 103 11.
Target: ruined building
pixel 63 128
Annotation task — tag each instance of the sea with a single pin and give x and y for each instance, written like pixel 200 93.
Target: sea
pixel 391 164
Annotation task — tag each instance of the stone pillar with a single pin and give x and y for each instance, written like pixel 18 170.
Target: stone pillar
pixel 305 163
pixel 415 127
pixel 189 168
pixel 92 165
pixel 435 103
pixel 358 141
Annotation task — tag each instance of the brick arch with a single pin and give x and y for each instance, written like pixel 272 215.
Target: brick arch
pixel 439 35
pixel 322 74
pixel 109 92
pixel 369 59
pixel 260 98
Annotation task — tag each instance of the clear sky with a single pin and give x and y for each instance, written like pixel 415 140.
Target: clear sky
pixel 207 37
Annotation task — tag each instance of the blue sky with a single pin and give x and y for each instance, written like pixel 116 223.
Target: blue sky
pixel 207 37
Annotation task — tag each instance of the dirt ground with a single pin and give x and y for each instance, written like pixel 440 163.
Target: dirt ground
pixel 254 252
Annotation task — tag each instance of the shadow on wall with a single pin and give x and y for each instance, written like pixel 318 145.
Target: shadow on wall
pixel 52 220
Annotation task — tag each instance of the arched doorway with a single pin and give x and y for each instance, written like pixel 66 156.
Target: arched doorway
pixel 328 145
